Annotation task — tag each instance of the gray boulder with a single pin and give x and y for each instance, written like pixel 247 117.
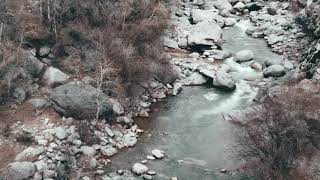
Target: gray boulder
pixel 244 55
pixel 274 71
pixel 170 43
pixel 224 81
pixel 29 153
pixel 177 88
pixel 54 76
pixel 139 168
pixel 38 103
pixel 194 79
pixel 223 5
pixel 33 66
pixel 82 101
pixel 21 170
pixel 199 15
pixel 108 150
pixel 205 33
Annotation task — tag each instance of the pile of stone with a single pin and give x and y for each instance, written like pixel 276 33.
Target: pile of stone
pixel 58 146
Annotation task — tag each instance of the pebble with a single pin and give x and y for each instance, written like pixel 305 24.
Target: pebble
pixel 144 161
pixel 151 173
pixel 151 158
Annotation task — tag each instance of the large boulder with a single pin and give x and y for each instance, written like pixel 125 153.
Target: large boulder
pixel 139 168
pixel 244 55
pixel 206 33
pixel 224 81
pixel 223 5
pixel 199 15
pixel 21 170
pixel 53 76
pixel 33 66
pixel 274 71
pixel 82 101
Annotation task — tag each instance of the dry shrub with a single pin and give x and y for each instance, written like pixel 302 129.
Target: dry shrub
pixel 86 133
pixel 281 131
pixel 123 35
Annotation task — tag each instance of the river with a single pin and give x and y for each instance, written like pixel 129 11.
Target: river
pixel 190 127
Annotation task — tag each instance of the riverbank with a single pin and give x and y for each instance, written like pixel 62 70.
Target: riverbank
pixel 205 49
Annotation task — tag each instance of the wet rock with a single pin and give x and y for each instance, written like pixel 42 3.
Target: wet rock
pixel 271 62
pixel 29 153
pixel 21 170
pixel 151 157
pixel 151 173
pixel 223 170
pixel 205 33
pixel 157 153
pixel 108 150
pixel 230 21
pixel 256 66
pixel 146 176
pixel 274 71
pixel 177 88
pixel 244 55
pixel 224 81
pixel 53 76
pixel 80 101
pixel 139 168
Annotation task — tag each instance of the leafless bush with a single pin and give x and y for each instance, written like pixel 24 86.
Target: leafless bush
pixel 123 34
pixel 279 132
pixel 86 134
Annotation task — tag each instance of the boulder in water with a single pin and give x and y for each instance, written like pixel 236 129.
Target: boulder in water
pixel 274 71
pixel 139 168
pixel 244 55
pixel 205 33
pixel 224 81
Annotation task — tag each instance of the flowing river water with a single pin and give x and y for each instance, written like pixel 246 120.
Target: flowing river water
pixel 190 127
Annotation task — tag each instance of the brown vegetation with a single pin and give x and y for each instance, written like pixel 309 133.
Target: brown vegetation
pixel 284 128
pixel 122 36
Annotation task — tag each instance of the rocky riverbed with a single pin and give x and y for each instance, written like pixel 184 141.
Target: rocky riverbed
pixel 221 45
